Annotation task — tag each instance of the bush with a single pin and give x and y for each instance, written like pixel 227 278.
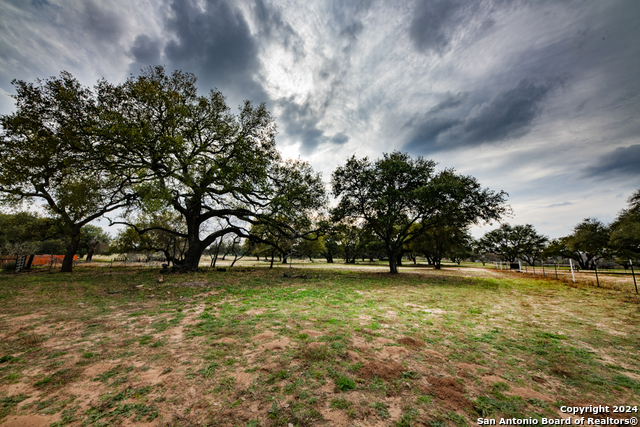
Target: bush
pixel 344 383
pixel 9 267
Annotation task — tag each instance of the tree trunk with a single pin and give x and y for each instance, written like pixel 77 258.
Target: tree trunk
pixel 235 258
pixel 191 259
pixel 28 266
pixel 72 248
pixel 393 258
pixel 329 258
pixel 90 254
pixel 399 258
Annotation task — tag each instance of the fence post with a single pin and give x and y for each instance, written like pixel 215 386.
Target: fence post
pixel 556 266
pixel 595 267
pixel 543 273
pixel 633 273
pixel 520 265
pixel 571 267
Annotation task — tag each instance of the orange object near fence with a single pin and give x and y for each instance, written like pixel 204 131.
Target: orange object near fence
pixel 46 259
pixel 38 259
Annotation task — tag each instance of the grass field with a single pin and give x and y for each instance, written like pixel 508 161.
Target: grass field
pixel 251 346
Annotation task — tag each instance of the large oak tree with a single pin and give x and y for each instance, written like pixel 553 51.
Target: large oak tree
pixel 205 162
pixel 511 242
pixel 395 192
pixel 49 153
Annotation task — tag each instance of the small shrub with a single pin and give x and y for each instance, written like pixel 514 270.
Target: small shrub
pixel 381 409
pixel 457 419
pixel 410 375
pixel 423 399
pixel 208 370
pixel 407 418
pixel 344 383
pixel 9 267
pixel 340 403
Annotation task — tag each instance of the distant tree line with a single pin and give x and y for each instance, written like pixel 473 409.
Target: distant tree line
pixel 187 177
pixel 591 243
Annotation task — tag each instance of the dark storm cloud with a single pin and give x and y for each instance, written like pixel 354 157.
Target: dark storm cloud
pixel 301 122
pixel 623 162
pixel 450 101
pixel 434 23
pixel 216 44
pixel 509 114
pixel 104 26
pixel 40 3
pixel 339 138
pixel 146 51
pixel 304 122
pixel 426 134
pixel 274 29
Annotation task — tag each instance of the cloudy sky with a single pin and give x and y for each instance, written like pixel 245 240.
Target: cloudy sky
pixel 537 98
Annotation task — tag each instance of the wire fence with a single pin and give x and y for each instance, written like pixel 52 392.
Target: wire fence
pixel 617 276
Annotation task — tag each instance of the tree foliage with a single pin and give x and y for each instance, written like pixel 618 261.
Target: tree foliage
pixel 588 244
pixel 26 233
pixel 48 152
pixel 513 242
pixel 440 241
pixel 624 240
pixel 156 238
pixel 204 162
pixel 392 194
pixel 93 240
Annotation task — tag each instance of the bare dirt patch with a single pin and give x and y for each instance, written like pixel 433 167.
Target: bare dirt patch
pixel 336 418
pixel 386 371
pixel 469 367
pixel 31 420
pixel 263 336
pixel 491 379
pixel 632 375
pixel 411 342
pixel 243 379
pixel 448 390
pixel 354 357
pixel 393 352
pixel 433 354
pixel 280 344
pixel 383 341
pixel 360 344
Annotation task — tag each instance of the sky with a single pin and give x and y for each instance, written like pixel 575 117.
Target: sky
pixel 539 98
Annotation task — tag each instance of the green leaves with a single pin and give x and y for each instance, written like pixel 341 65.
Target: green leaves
pixel 392 194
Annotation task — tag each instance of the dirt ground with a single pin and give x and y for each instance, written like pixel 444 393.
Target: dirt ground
pixel 328 350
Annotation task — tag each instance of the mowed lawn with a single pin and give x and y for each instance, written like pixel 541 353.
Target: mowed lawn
pixel 253 346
